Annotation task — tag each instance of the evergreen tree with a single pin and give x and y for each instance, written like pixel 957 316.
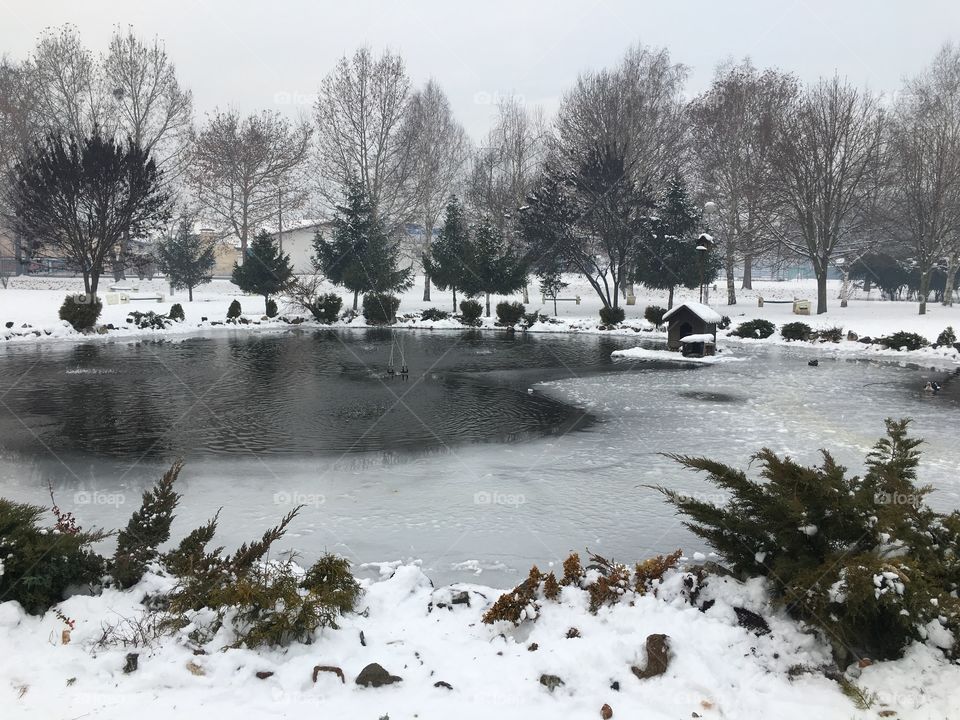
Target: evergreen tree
pixel 551 284
pixel 445 262
pixel 148 528
pixel 863 558
pixel 360 255
pixel 265 270
pixel 491 266
pixel 187 257
pixel 668 257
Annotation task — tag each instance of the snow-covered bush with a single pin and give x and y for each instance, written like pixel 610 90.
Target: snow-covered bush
pixel 533 318
pixel 148 320
pixel 610 316
pixel 38 564
pixel 380 308
pixel 605 583
pixel 509 314
pixel 833 334
pixel 862 558
pixel 470 312
pixel 305 294
pixel 653 314
pixel 262 602
pixel 176 312
pixel 795 331
pixel 758 329
pixel 903 341
pixel 234 311
pixel 148 528
pixel 947 337
pixel 81 311
pixel 271 308
pixel 434 314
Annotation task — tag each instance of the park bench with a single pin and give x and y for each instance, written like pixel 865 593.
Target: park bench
pixel 156 297
pixel 544 299
pixel 800 306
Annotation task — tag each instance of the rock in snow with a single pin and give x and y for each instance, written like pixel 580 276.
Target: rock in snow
pixel 658 657
pixel 375 675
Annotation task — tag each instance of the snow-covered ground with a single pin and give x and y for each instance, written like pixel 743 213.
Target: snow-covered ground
pixel 717 668
pixel 484 513
pixel 35 300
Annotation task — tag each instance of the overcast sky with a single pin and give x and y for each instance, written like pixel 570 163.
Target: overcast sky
pixel 273 53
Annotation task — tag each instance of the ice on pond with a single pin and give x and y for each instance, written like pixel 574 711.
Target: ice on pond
pixel 498 507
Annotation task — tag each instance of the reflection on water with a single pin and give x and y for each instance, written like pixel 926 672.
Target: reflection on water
pixel 325 392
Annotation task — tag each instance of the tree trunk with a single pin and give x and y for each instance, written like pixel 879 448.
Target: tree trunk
pixel 949 282
pixel 189 293
pixel 526 296
pixel 427 240
pixel 554 305
pixel 731 284
pixel 19 254
pixel 454 298
pixel 670 298
pixel 488 304
pixel 747 283
pixel 355 294
pixel 924 292
pixel 821 290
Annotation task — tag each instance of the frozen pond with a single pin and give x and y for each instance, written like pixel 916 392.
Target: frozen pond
pixel 498 451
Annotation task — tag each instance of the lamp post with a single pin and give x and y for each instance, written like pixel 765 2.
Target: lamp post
pixel 704 244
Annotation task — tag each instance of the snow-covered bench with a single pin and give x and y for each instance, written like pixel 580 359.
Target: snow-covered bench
pixel 800 306
pixel 544 298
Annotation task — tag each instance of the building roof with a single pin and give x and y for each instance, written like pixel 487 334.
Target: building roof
pixel 704 312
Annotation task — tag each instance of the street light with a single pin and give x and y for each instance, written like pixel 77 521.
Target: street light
pixel 704 244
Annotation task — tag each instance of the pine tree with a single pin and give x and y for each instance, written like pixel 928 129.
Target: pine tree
pixel 495 267
pixel 360 255
pixel 187 257
pixel 551 283
pixel 445 262
pixel 668 257
pixel 265 270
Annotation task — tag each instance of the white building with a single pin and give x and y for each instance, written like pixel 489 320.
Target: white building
pixel 297 242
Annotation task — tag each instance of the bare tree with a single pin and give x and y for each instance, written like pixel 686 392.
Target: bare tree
pixel 239 165
pixel 619 139
pixel 440 148
pixel 147 100
pixel 925 164
pixel 733 128
pixel 17 133
pixel 69 85
pixel 829 167
pixel 360 115
pixel 504 167
pixel 147 104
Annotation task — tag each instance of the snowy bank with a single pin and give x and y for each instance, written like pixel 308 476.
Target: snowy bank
pixel 453 665
pixel 642 353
